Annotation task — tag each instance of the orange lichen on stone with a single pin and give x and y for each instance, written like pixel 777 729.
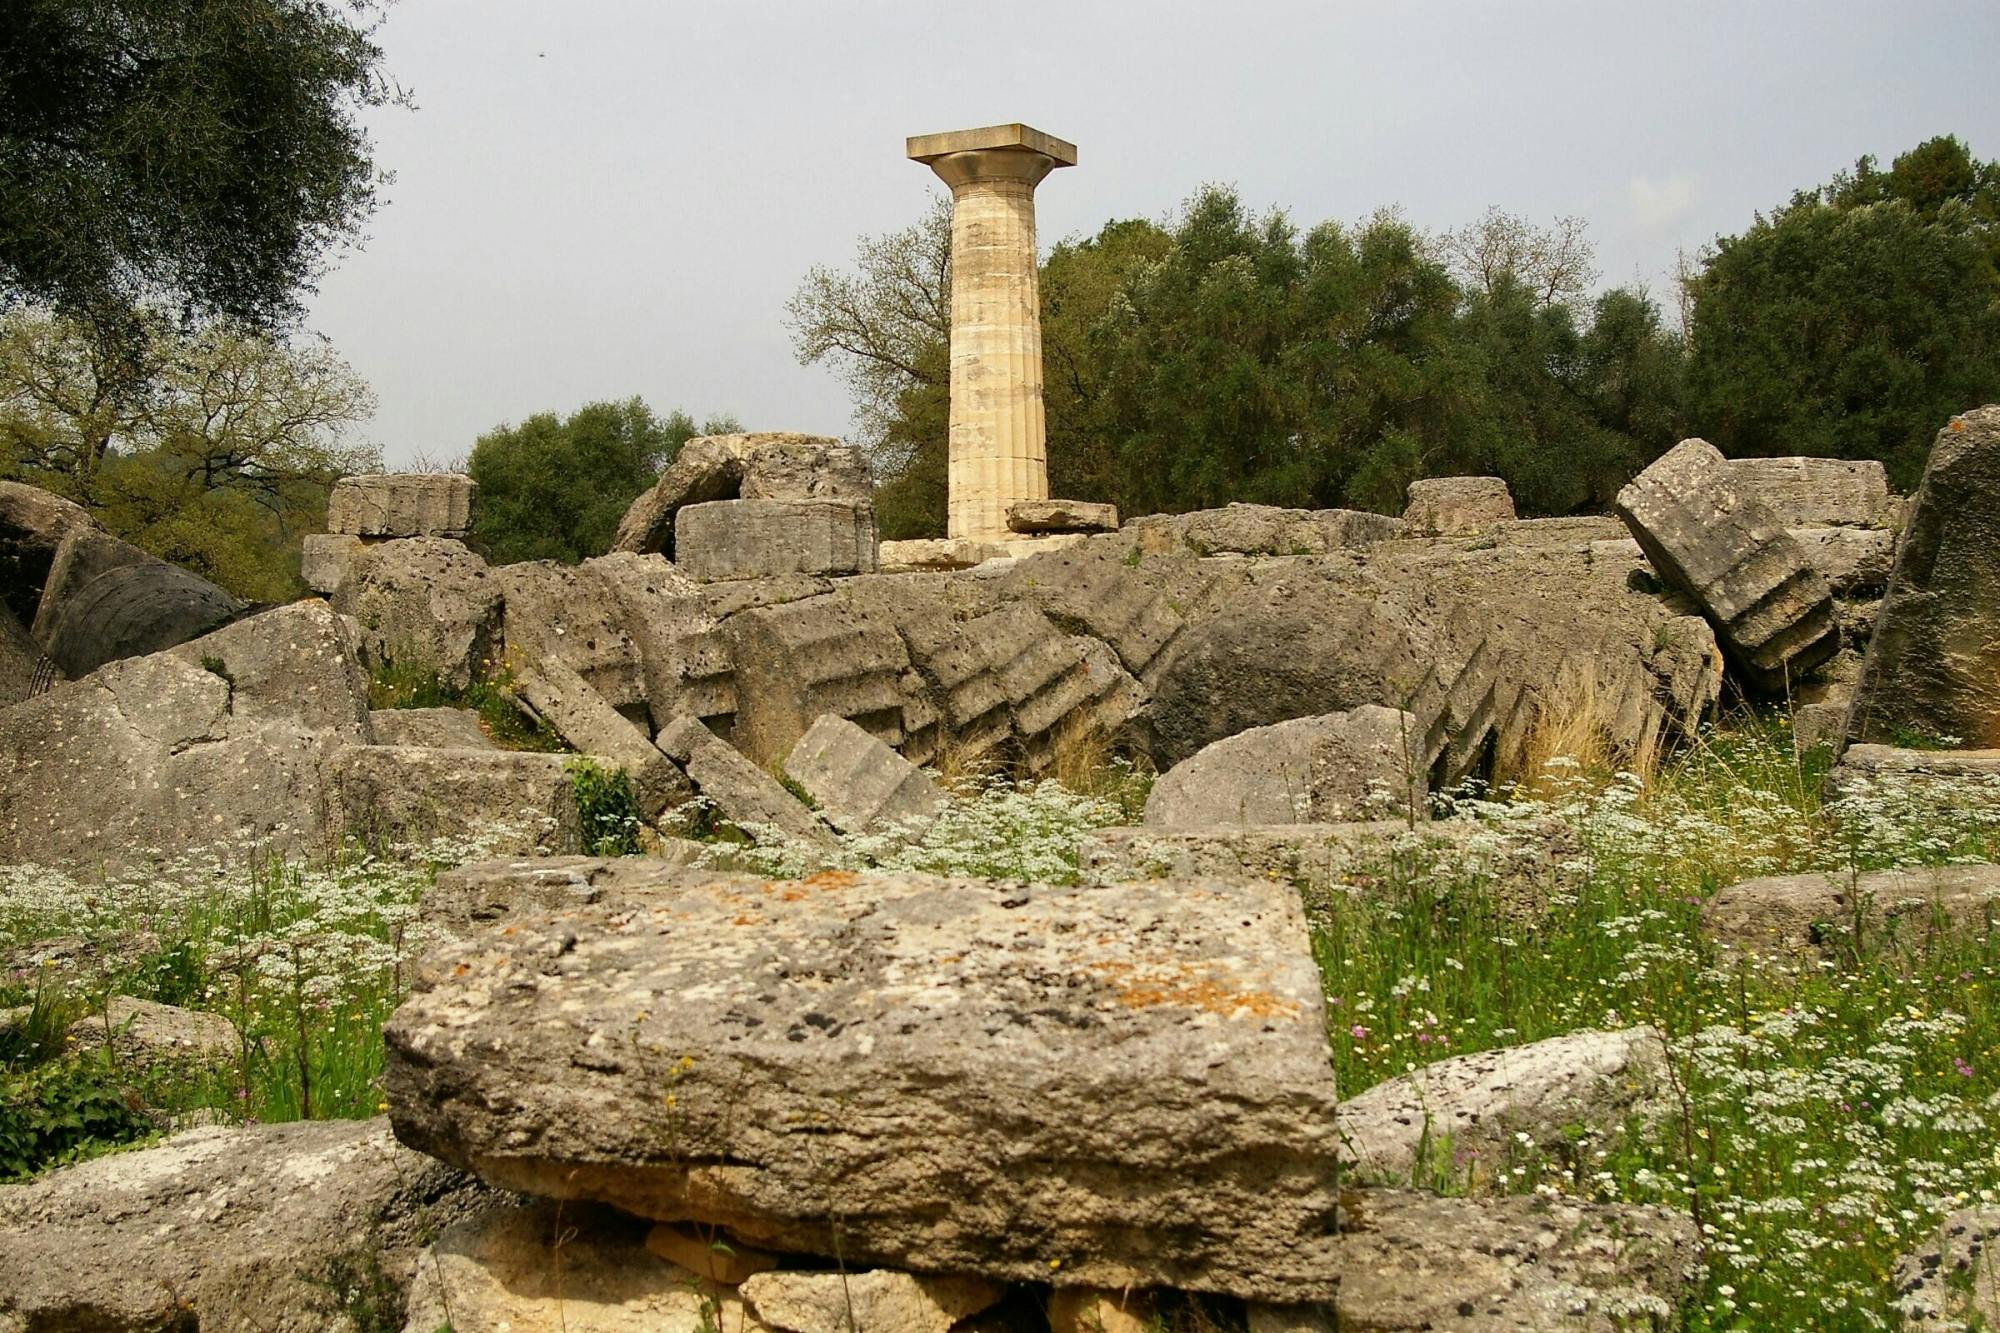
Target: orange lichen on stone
pixel 1181 984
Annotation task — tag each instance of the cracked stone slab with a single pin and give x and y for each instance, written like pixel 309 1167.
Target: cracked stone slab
pixel 1129 1087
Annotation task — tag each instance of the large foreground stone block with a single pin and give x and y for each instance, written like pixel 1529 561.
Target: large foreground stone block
pixel 1933 666
pixel 1093 1088
pixel 751 539
pixel 1772 610
pixel 1325 769
pixel 402 504
pixel 255 1227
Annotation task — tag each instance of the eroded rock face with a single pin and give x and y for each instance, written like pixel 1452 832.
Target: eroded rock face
pixel 1456 506
pixel 1817 492
pixel 259 1227
pixel 875 1299
pixel 427 604
pixel 1706 536
pixel 20 658
pixel 530 1267
pixel 387 797
pixel 1250 529
pixel 438 728
pixel 219 739
pixel 106 600
pixel 1458 1118
pixel 745 794
pixel 1418 1262
pixel 969 1077
pixel 1933 666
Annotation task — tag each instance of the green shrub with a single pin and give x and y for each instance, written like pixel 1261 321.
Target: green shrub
pixel 606 808
pixel 64 1110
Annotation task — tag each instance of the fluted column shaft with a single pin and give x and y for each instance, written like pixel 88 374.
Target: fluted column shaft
pixel 999 432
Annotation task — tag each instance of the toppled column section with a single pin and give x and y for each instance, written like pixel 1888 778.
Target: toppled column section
pixel 1772 610
pixel 1933 666
pixel 398 504
pixel 860 783
pixel 1063 1085
pixel 765 465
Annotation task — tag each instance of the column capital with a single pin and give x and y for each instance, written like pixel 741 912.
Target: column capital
pixel 927 148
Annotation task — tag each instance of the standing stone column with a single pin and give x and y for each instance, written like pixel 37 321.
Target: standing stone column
pixel 999 435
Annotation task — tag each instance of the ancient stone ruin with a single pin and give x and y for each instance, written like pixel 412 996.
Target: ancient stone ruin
pixel 846 1100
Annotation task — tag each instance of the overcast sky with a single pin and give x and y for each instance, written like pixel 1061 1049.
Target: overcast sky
pixel 599 198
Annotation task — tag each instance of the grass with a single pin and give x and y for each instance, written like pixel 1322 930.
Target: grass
pixel 1830 1112
pixel 1833 1112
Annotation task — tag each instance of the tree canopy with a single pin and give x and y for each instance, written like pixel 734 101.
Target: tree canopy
pixel 204 154
pixel 554 488
pixel 1858 318
pixel 215 448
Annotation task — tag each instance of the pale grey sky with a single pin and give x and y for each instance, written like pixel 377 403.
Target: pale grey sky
pixel 597 198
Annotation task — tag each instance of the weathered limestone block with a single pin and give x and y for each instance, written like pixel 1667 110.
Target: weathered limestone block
pixel 402 504
pixel 1784 915
pixel 437 728
pixel 750 539
pixel 1307 770
pixel 1092 1310
pixel 1866 768
pixel 1856 562
pixel 721 1259
pixel 217 740
pixel 1466 1112
pixel 936 553
pixel 1061 516
pixel 229 1227
pixel 773 465
pixel 1456 506
pixel 106 600
pixel 1817 492
pixel 1952 1281
pixel 426 604
pixel 590 725
pixel 875 1299
pixel 953 1075
pixel 386 796
pixel 1934 664
pixel 1413 1261
pixel 146 1033
pixel 529 1267
pixel 745 794
pixel 325 558
pixel 1771 608
pixel 861 784
pixel 33 523
pixel 629 625
pixel 1251 529
pixel 1096 589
